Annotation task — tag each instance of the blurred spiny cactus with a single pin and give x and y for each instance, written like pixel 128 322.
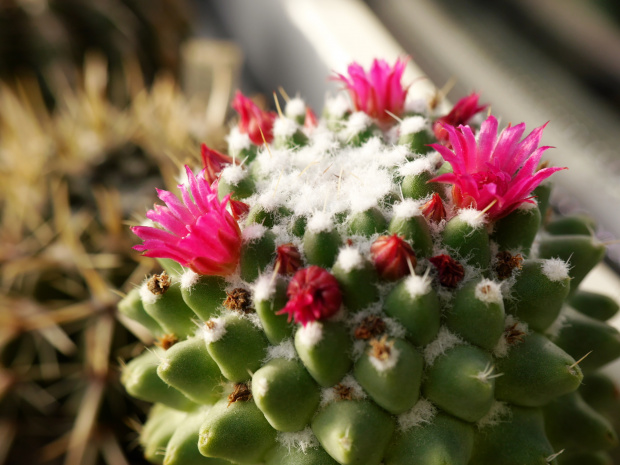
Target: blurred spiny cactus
pixel 64 245
pixel 49 38
pixel 373 287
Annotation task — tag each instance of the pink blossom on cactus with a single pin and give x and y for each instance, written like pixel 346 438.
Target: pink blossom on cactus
pixel 213 162
pixel 377 91
pixel 434 210
pixel 310 121
pixel 495 173
pixel 238 209
pixel 254 120
pixel 313 294
pixel 464 110
pixel 198 232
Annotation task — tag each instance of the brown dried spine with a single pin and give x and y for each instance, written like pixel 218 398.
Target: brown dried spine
pixel 343 392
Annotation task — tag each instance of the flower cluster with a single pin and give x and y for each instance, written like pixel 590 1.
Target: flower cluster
pixel 495 173
pixel 377 91
pixel 254 122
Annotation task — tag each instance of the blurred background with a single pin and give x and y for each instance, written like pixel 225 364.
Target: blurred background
pixel 103 100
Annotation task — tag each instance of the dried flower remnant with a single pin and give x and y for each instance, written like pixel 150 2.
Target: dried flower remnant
pixel 393 257
pixel 241 393
pixel 450 271
pixel 506 263
pixel 370 327
pixel 377 91
pixel 464 110
pixel 288 259
pixel 158 284
pixel 434 210
pixel 513 334
pixel 238 209
pixel 166 341
pixel 380 348
pixel 495 174
pixel 238 299
pixel 254 122
pixel 313 294
pixel 199 232
pixel 343 392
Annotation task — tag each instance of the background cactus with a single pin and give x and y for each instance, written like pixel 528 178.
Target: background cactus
pixel 381 300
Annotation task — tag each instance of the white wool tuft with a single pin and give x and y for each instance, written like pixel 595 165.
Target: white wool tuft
pixel 320 221
pixel 357 122
pixel 413 125
pixel 253 232
pixel 238 141
pixel 295 107
pixel 260 386
pixel 390 362
pixel 329 395
pixel 474 218
pixel 302 440
pixel 146 295
pixel 286 349
pixel 445 340
pixel 311 334
pixel 418 166
pixel 499 413
pixel 254 319
pixel 417 286
pixel 489 292
pixel 408 208
pixel 349 259
pixel 189 279
pixel 394 155
pixel 284 127
pixel 213 330
pixel 233 174
pixel 263 288
pixel 394 328
pixel 422 412
pixel 555 269
pixel 337 106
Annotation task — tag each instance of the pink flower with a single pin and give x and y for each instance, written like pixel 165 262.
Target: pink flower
pixel 288 259
pixel 463 111
pixel 377 91
pixel 313 295
pixel 198 232
pixel 253 119
pixel 392 256
pixel 213 162
pixel 497 172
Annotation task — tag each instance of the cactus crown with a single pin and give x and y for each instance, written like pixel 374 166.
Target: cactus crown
pixel 366 292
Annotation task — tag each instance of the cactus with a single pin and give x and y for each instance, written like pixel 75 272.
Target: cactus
pixel 386 299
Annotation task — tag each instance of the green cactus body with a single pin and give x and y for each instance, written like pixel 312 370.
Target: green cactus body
pixel 366 313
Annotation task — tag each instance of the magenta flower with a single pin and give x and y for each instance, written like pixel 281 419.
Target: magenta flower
pixel 253 119
pixel 198 232
pixel 464 110
pixel 313 294
pixel 377 91
pixel 497 172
